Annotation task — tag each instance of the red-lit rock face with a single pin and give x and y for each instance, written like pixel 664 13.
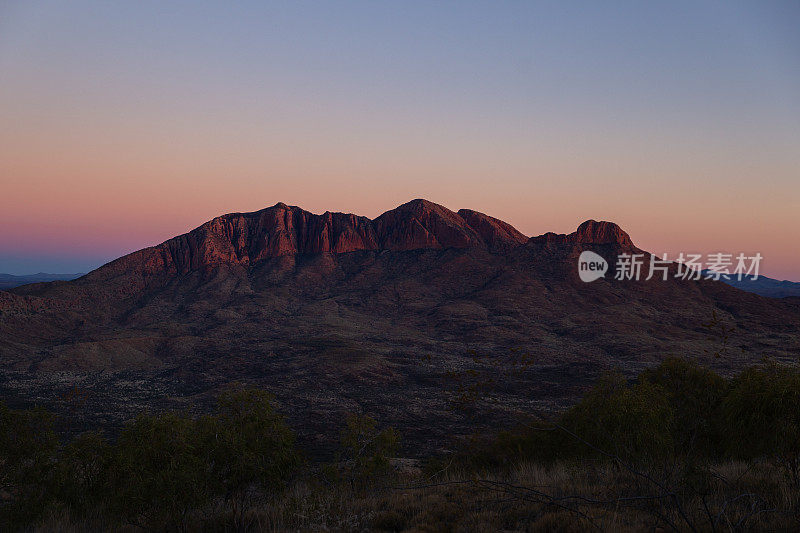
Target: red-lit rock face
pixel 248 238
pixel 280 230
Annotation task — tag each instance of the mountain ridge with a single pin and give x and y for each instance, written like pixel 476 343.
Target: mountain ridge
pixel 336 312
pixel 250 237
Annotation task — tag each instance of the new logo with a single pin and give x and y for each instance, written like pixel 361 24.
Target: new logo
pixel 591 266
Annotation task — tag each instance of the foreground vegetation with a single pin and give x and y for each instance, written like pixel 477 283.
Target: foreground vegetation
pixel 680 448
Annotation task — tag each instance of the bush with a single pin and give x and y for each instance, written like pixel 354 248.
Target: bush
pixel 635 422
pixel 632 422
pixel 534 441
pixel 167 465
pixel 27 443
pixel 161 469
pixel 159 472
pixel 761 415
pixel 246 445
pixel 28 446
pixel 695 394
pixel 366 451
pixel 81 475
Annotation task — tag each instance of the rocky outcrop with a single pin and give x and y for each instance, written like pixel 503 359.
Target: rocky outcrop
pixel 246 239
pixel 593 232
pixel 496 234
pixel 589 232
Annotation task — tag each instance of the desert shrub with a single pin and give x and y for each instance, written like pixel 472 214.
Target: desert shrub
pixel 633 422
pixel 695 394
pixel 761 416
pixel 159 473
pixel 161 469
pixel 533 441
pixel 28 445
pixel 674 408
pixel 365 450
pixel 166 466
pixel 81 475
pixel 246 445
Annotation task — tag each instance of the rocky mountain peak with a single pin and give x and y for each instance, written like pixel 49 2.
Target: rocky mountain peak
pixel 497 235
pixel 602 232
pixel 282 230
pixel 423 224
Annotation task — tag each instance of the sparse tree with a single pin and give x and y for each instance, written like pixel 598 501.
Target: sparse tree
pixel 366 450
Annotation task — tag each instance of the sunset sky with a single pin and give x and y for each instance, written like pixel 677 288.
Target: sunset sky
pixel 125 123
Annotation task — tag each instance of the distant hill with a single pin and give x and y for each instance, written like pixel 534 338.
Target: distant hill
pixel 766 286
pixel 8 281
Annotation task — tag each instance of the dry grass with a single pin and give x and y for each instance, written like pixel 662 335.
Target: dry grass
pixel 564 497
pixel 531 497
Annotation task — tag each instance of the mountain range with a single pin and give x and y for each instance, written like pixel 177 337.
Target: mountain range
pixel 394 316
pixel 766 286
pixel 9 281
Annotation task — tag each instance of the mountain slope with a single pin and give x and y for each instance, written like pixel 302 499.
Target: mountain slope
pixel 336 313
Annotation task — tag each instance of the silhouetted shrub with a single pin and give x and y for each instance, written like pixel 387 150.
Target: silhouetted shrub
pixel 166 466
pixel 159 472
pixel 761 416
pixel 534 441
pixel 81 476
pixel 28 445
pixel 246 446
pixel 365 450
pixel 695 394
pixel 633 422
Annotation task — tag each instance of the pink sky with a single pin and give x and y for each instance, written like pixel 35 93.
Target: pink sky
pixel 122 126
pixel 103 201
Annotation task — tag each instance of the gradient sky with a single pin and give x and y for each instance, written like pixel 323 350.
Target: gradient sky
pixel 125 123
